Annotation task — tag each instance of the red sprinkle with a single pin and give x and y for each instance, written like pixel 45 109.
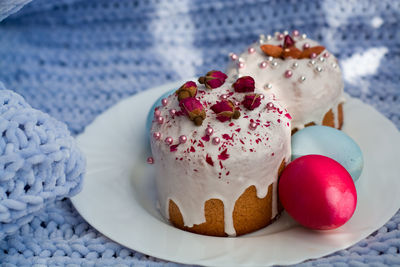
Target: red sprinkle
pixel 173 148
pixel 238 130
pixel 200 144
pixel 231 124
pixel 220 165
pixel 209 160
pixel 223 155
pixel 206 138
pixel 192 149
pixel 226 137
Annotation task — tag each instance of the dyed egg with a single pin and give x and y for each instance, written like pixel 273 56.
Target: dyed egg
pixel 317 192
pixel 330 142
pixel 150 115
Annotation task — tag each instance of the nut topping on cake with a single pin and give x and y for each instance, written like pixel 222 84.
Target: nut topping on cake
pixel 288 50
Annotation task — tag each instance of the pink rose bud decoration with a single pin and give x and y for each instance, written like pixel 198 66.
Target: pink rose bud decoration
pixel 213 79
pixel 193 109
pixel 252 101
pixel 225 110
pixel 188 89
pixel 244 84
pixel 288 42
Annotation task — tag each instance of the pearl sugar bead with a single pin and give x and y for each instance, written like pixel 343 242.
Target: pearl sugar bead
pixel 224 97
pixel 288 73
pixel 270 106
pixel 160 120
pixel 209 131
pixel 233 56
pixel 319 69
pixel 172 112
pixel 253 126
pixel 169 140
pixel 216 140
pixel 182 139
pixel 263 65
pixel 157 135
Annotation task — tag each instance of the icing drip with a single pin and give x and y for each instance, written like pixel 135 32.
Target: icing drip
pixel 200 169
pixel 274 199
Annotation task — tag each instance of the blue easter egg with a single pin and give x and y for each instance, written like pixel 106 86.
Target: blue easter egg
pixel 329 142
pixel 150 115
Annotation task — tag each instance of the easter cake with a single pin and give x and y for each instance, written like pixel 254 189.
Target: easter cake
pixel 300 72
pixel 218 148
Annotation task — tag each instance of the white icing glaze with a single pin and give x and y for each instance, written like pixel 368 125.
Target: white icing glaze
pixel 185 176
pixel 307 101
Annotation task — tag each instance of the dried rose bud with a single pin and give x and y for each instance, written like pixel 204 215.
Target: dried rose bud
pixel 193 109
pixel 225 110
pixel 244 84
pixel 251 101
pixel 288 42
pixel 213 79
pixel 188 89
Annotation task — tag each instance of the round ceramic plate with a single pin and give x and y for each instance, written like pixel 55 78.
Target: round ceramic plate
pixel 119 200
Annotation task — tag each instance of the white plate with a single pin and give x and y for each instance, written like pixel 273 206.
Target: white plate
pixel 118 196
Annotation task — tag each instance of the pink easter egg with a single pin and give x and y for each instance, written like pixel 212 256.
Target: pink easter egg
pixel 317 192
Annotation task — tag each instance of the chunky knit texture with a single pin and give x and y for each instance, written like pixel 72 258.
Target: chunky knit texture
pixel 39 162
pixel 74 59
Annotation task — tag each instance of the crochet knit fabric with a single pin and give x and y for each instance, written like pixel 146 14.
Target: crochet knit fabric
pixel 73 59
pixel 39 162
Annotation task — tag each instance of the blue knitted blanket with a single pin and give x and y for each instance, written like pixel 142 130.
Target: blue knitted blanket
pixel 73 59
